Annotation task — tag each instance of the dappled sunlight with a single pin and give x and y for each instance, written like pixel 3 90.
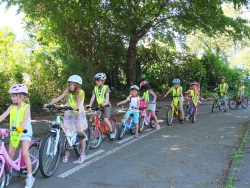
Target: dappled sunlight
pixel 169 136
pixel 175 148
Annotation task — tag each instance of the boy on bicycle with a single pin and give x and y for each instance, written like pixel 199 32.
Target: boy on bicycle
pixel 101 93
pixel 240 92
pixel 176 90
pixel 223 88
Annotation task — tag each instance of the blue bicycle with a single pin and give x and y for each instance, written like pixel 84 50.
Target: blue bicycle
pixel 127 124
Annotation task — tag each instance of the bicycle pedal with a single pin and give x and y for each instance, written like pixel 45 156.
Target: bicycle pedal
pixel 21 176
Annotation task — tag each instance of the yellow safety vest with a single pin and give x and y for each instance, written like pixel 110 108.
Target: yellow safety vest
pixel 72 101
pixel 194 96
pixel 100 95
pixel 240 90
pixel 222 88
pixel 16 119
pixel 146 96
pixel 177 91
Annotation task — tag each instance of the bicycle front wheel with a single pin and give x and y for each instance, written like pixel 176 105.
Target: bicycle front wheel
pixel 96 137
pixel 78 146
pixel 215 105
pixel 232 103
pixel 141 124
pixel 113 124
pixel 169 116
pixel 194 115
pixel 121 131
pixel 34 156
pixel 244 103
pixel 49 155
pixel 3 178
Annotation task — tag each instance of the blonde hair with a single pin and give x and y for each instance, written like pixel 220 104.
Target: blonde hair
pixel 75 93
pixel 24 98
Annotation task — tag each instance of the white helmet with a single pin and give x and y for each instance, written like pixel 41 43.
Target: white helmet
pixel 76 79
pixel 100 76
pixel 134 87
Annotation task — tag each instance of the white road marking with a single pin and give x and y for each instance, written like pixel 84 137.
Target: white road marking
pixel 125 140
pixel 75 169
pixel 94 154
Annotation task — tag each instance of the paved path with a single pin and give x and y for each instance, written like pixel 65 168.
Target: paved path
pixel 177 156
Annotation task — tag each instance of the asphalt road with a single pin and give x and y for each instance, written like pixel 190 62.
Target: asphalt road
pixel 177 156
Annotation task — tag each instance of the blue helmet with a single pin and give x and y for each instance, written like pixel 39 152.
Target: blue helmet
pixel 176 81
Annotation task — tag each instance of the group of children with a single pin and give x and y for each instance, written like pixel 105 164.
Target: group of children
pixel 19 111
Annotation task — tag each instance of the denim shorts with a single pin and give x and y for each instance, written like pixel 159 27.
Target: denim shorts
pixel 152 107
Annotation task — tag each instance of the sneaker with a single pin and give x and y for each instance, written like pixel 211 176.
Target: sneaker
pixel 136 135
pixel 112 135
pixel 80 160
pixel 29 182
pixel 158 128
pixel 182 121
pixel 65 158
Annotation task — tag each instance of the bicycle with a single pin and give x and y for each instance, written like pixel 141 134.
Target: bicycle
pixel 16 167
pixel 146 118
pixel 51 147
pixel 127 124
pixel 99 128
pixel 174 111
pixel 194 113
pixel 234 102
pixel 218 104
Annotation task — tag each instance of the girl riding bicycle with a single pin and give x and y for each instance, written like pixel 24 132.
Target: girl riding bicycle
pixel 19 113
pixel 134 104
pixel 240 92
pixel 223 88
pixel 150 97
pixel 192 93
pixel 74 120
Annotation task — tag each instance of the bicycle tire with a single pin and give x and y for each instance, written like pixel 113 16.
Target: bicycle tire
pixel 78 147
pixel 141 124
pixel 244 101
pixel 34 151
pixel 194 115
pixel 121 131
pixel 96 135
pixel 152 123
pixel 214 106
pixel 3 178
pixel 169 116
pixel 43 155
pixel 232 103
pixel 186 109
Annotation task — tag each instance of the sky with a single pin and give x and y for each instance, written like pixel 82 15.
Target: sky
pixel 13 20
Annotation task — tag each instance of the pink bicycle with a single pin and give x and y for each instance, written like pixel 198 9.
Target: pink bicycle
pixel 145 119
pixel 16 167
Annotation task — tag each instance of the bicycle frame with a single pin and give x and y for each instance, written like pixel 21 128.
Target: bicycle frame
pixel 147 116
pixel 17 164
pixel 175 106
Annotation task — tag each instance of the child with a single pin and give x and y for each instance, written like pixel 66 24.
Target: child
pixel 74 120
pixel 193 93
pixel 149 97
pixel 134 104
pixel 240 92
pixel 20 118
pixel 101 93
pixel 176 90
pixel 223 88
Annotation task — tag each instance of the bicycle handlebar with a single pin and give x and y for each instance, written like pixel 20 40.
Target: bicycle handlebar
pixel 65 108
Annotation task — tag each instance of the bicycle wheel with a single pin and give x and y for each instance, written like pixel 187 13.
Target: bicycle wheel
pixel 141 124
pixel 194 114
pixel 169 116
pixel 49 155
pixel 113 124
pixel 215 105
pixel 78 146
pixel 152 123
pixel 121 131
pixel 96 137
pixel 34 153
pixel 3 178
pixel 244 103
pixel 232 103
pixel 186 109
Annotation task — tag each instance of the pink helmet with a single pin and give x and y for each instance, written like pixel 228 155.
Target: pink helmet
pixel 143 83
pixel 194 83
pixel 18 88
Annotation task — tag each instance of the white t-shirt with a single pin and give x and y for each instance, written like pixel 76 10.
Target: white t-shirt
pixel 133 103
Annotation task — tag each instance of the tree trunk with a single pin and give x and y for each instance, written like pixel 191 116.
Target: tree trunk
pixel 131 62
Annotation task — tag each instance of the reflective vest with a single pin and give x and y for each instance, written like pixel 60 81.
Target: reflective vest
pixel 176 91
pixel 194 96
pixel 16 119
pixel 100 95
pixel 222 88
pixel 146 96
pixel 240 88
pixel 72 101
